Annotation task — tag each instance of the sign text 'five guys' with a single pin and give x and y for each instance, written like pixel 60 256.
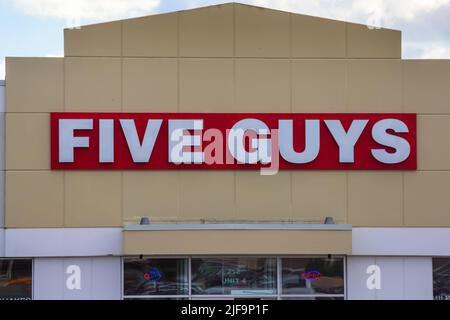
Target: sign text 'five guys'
pixel 165 141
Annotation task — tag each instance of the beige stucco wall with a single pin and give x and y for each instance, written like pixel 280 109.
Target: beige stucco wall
pixel 245 242
pixel 247 60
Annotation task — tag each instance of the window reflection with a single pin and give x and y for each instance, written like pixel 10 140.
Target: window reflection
pixel 234 276
pixel 312 276
pixel 441 278
pixel 15 279
pixel 155 276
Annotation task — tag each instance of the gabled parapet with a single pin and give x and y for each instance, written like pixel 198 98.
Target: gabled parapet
pixel 232 30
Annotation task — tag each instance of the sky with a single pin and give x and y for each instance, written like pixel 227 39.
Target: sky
pixel 35 27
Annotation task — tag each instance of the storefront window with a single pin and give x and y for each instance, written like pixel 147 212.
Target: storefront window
pixel 15 279
pixel 234 276
pixel 310 276
pixel 441 278
pixel 159 277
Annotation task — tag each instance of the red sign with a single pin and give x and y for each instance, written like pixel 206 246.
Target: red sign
pixel 216 141
pixel 312 275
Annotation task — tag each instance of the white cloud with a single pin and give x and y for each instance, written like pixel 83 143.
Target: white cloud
pixel 86 9
pixel 357 10
pixel 55 55
pixel 2 69
pixel 310 7
pixel 372 12
pixel 436 52
pixel 393 10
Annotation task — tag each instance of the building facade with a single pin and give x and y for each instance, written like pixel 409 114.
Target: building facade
pixel 80 234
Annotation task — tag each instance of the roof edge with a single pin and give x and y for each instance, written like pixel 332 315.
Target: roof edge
pixel 230 4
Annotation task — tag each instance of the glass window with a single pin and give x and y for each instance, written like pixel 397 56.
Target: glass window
pixel 148 276
pixel 441 278
pixel 15 279
pixel 234 276
pixel 312 276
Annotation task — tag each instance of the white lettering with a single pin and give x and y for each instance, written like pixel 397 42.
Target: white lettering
pixel 312 141
pixel 67 140
pixel 179 139
pixel 106 141
pixel 346 140
pixel 263 147
pixel 141 152
pixel 401 146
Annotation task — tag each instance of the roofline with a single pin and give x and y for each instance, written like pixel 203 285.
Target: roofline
pixel 227 4
pixel 162 13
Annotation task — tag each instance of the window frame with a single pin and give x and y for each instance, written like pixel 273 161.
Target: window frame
pixel 277 296
pixel 155 296
pixel 344 275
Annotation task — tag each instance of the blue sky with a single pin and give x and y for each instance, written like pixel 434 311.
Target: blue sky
pixel 35 27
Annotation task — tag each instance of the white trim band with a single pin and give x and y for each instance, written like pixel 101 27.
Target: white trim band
pixel 83 242
pixel 67 242
pixel 401 242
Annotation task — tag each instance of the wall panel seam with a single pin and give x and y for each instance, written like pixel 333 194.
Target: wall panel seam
pixel 122 81
pixel 235 206
pixel 290 36
pixel 234 30
pixel 346 40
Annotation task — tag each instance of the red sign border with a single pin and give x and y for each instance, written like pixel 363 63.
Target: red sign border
pixel 409 164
